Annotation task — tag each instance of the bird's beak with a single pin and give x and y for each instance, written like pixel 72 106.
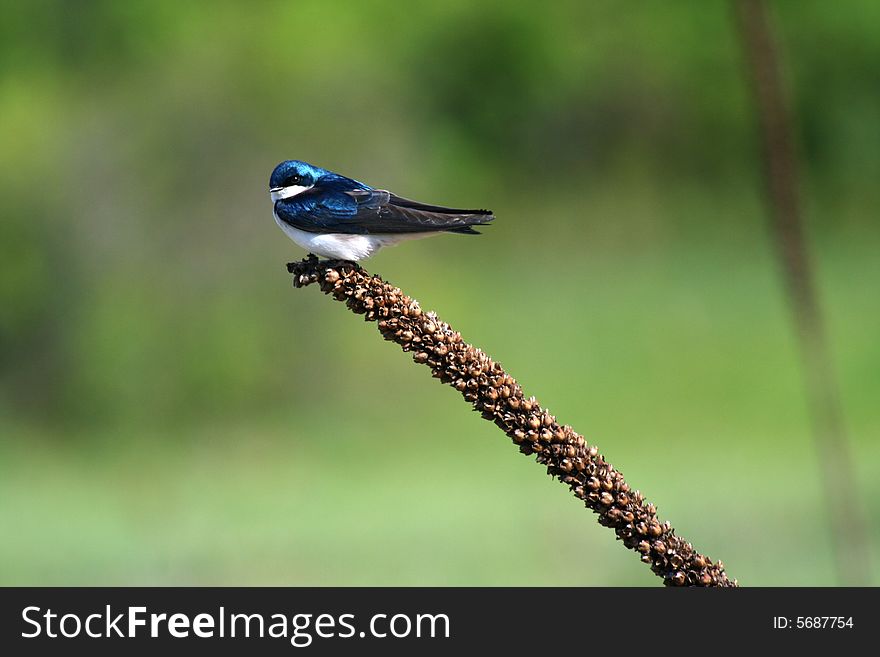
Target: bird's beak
pixel 275 190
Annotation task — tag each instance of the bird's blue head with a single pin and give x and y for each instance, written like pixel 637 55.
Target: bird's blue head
pixel 293 177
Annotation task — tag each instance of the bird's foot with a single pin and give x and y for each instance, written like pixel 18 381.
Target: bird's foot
pixel 343 264
pixel 312 263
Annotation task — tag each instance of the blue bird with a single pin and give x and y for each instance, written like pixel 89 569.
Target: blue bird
pixel 343 219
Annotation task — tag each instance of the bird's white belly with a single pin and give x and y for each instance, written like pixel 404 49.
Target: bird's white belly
pixel 339 246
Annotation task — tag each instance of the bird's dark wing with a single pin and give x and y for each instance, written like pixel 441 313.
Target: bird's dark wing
pixel 373 212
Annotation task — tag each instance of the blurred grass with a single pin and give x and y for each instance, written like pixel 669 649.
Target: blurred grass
pixel 346 485
pixel 172 412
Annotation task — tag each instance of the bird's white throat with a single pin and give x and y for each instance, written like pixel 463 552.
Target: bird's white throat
pixel 287 192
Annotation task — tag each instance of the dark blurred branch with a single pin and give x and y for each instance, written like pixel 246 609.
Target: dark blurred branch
pixel 781 180
pixel 500 399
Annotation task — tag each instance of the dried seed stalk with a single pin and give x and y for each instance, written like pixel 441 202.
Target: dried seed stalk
pixel 500 399
pixel 763 56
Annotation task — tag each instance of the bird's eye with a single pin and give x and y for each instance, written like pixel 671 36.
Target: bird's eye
pixel 296 179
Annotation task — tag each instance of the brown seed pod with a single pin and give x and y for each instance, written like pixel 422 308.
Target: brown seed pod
pixel 499 398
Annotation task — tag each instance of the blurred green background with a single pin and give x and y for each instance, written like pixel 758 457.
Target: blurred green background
pixel 172 412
